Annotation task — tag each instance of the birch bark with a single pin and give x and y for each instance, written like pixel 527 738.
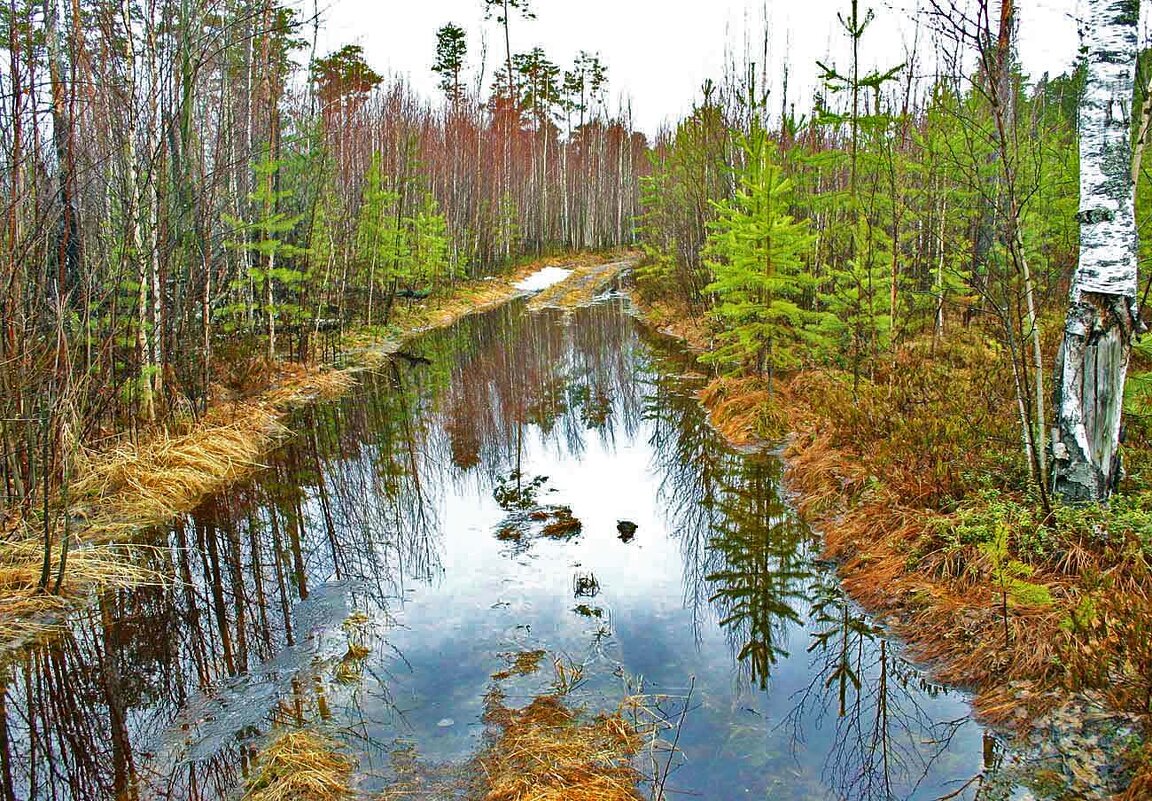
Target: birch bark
pixel 1093 359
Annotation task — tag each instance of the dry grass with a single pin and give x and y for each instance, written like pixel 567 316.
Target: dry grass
pixel 1140 788
pixel 26 613
pixel 674 321
pixel 300 766
pixel 552 750
pixel 470 297
pixel 878 472
pixel 886 469
pixel 745 411
pixel 132 486
pixel 136 485
pixel 548 751
pixel 521 663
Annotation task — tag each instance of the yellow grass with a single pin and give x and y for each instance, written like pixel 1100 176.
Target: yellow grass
pixel 522 663
pixel 745 411
pixel 673 321
pixel 548 752
pixel 26 613
pixel 140 484
pixel 470 297
pixel 134 485
pixel 300 766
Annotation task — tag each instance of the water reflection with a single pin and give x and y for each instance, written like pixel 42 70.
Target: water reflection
pixel 366 582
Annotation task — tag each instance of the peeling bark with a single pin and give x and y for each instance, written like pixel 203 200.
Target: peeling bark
pixel 1093 359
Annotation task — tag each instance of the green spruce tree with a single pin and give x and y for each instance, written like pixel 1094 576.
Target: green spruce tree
pixel 755 251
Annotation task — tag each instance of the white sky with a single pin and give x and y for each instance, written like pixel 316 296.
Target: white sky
pixel 658 53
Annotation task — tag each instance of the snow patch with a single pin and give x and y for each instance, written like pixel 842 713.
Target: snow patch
pixel 543 279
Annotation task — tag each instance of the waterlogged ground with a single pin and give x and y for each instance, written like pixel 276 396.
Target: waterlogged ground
pixel 369 583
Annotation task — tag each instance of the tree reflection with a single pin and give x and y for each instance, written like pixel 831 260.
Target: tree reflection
pixel 749 558
pixel 692 463
pixel 886 742
pixel 743 548
pixel 165 692
pixel 762 580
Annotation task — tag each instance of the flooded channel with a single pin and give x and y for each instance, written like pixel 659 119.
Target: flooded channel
pixel 463 506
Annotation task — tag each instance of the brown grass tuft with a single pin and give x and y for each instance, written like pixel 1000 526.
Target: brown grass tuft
pixel 300 766
pixel 673 321
pixel 745 411
pixel 132 486
pixel 136 485
pixel 521 663
pixel 548 752
pixel 26 613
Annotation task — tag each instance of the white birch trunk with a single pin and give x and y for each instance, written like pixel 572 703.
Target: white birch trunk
pixel 1093 358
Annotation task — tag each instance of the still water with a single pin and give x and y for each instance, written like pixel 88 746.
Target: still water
pixel 376 574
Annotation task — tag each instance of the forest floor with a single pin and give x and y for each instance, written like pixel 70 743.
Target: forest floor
pixel 137 483
pixel 911 479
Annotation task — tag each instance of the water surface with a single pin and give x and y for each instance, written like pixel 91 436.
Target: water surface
pixel 369 582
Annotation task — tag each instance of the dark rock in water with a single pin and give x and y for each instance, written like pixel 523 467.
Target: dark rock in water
pixel 627 529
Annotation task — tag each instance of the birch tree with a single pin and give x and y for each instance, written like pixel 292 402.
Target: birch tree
pixel 1102 312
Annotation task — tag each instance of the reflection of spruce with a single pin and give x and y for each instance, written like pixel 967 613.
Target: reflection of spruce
pixel 764 565
pixel 514 493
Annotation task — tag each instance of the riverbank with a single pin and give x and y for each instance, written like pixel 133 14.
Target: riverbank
pixel 133 485
pixel 911 478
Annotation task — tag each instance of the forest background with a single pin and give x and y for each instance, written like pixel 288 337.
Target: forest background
pixel 882 266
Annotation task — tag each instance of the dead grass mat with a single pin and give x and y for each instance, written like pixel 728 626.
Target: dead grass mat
pixel 133 486
pixel 300 766
pixel 546 752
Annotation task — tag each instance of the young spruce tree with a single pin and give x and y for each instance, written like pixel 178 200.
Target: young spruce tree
pixel 754 251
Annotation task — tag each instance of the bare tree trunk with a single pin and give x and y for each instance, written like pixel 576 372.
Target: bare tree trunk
pixel 939 331
pixel 1093 360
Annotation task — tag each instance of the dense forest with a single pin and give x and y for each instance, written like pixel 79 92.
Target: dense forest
pixel 899 270
pixel 179 186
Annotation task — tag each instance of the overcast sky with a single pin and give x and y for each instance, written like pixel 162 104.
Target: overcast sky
pixel 659 52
